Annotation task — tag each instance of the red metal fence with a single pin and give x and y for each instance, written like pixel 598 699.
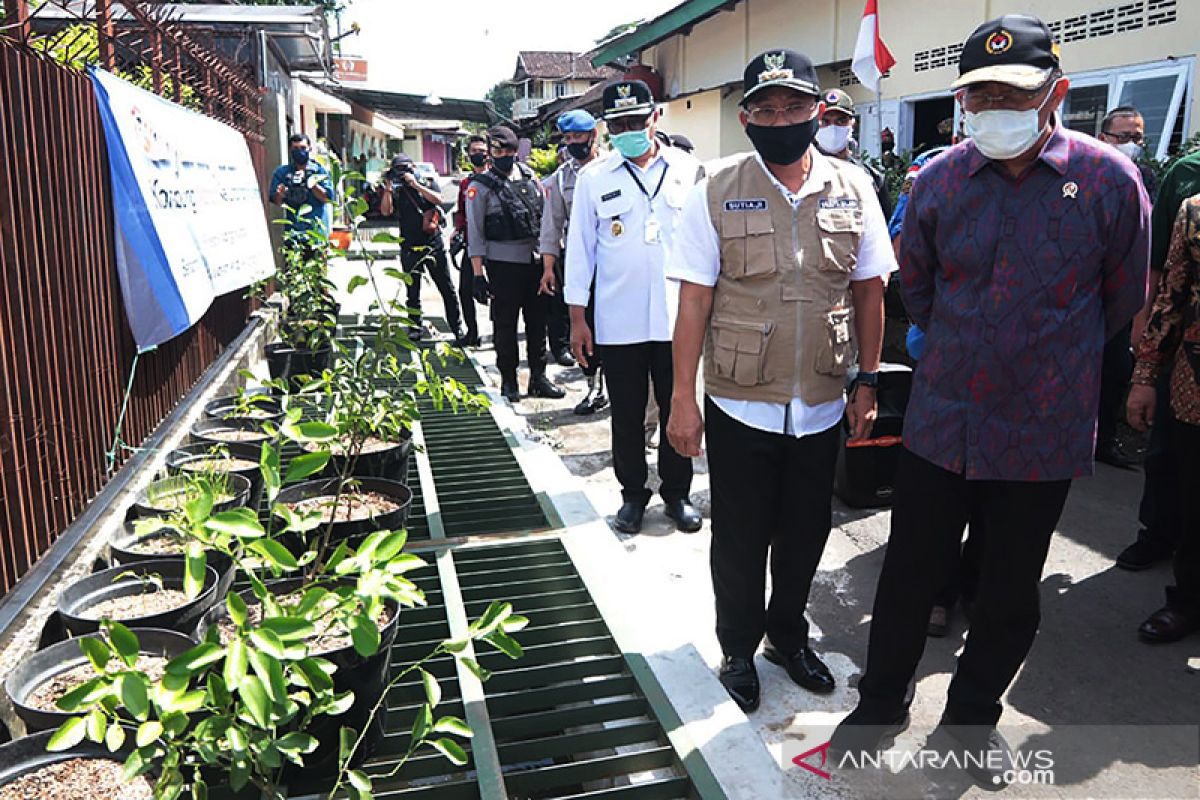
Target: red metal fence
pixel 65 346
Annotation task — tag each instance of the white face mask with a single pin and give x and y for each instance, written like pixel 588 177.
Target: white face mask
pixel 833 138
pixel 1001 134
pixel 1131 150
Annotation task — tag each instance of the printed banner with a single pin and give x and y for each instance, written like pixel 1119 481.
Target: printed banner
pixel 190 222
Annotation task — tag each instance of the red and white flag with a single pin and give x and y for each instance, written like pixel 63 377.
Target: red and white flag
pixel 871 56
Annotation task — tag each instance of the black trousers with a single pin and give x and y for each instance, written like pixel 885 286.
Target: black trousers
pixel 1185 594
pixel 589 315
pixel 932 505
pixel 558 319
pixel 1116 368
pixel 628 369
pixel 432 260
pixel 964 572
pixel 771 493
pixel 466 296
pixel 515 294
pixel 1160 510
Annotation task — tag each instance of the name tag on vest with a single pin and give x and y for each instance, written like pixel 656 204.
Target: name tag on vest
pixel 745 205
pixel 838 202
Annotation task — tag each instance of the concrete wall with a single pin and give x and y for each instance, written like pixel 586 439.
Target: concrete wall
pixel 699 118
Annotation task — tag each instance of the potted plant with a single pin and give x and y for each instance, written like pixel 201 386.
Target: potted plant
pixel 170 594
pixel 84 770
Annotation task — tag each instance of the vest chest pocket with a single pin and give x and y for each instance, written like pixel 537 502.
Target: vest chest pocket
pixel 747 244
pixel 740 350
pixel 835 348
pixel 612 228
pixel 840 230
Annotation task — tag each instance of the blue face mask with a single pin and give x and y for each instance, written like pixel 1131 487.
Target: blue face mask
pixel 632 144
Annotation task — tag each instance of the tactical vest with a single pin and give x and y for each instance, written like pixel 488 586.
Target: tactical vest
pixel 519 215
pixel 782 320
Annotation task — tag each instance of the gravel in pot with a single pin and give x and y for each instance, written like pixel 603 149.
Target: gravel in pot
pixel 230 431
pixel 170 494
pixel 257 407
pixel 366 504
pixel 141 540
pixel 233 459
pixel 377 459
pixel 85 772
pixel 36 684
pixel 136 600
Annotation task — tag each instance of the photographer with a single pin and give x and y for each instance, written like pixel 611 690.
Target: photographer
pixel 299 183
pixel 418 210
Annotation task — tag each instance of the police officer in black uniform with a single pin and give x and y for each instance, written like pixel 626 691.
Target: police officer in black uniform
pixel 504 218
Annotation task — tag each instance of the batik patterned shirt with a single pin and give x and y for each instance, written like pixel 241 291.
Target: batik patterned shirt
pixel 1018 283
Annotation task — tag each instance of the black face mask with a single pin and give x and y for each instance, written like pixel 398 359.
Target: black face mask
pixel 477 159
pixel 784 144
pixel 580 150
pixel 504 164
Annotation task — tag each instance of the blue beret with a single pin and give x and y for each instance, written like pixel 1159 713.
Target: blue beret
pixel 577 121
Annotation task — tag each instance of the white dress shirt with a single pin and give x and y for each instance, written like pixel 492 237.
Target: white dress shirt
pixel 607 242
pixel 696 258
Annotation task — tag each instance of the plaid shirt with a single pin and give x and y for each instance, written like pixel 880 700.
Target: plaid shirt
pixel 1018 283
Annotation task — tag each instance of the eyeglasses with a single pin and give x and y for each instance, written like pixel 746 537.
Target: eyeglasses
pixel 791 115
pixel 976 97
pixel 626 124
pixel 1125 138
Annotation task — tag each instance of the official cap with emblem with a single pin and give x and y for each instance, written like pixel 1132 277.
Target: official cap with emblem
pixel 837 100
pixel 627 99
pixel 780 68
pixel 577 121
pixel 503 137
pixel 1016 49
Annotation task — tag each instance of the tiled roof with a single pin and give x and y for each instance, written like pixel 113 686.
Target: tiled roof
pixel 560 64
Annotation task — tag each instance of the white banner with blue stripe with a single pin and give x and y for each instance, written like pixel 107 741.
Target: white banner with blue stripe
pixel 189 218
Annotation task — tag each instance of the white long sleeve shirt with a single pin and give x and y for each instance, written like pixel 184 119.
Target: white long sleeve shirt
pixel 697 259
pixel 608 243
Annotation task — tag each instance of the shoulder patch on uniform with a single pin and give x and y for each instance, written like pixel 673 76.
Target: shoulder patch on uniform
pixel 471 192
pixel 757 204
pixel 613 195
pixel 838 202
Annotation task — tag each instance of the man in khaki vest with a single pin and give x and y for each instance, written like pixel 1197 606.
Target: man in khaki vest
pixel 782 256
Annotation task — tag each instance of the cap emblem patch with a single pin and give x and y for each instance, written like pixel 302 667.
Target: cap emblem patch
pixel 832 97
pixel 774 69
pixel 625 96
pixel 998 43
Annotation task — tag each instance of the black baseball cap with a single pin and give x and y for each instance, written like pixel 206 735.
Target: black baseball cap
pixel 402 160
pixel 780 68
pixel 1016 49
pixel 627 99
pixel 503 137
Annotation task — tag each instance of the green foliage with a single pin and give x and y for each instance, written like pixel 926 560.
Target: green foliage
pixel 543 161
pixel 240 703
pixel 502 96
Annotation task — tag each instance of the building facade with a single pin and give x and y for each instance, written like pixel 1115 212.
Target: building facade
pixel 543 76
pixel 1116 52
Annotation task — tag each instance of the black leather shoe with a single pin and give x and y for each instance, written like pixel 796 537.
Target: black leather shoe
pixel 980 749
pixel 1168 624
pixel 564 358
pixel 862 733
pixel 1144 553
pixel 510 390
pixel 1113 454
pixel 540 386
pixel 591 404
pixel 629 517
pixel 803 667
pixel 740 679
pixel 684 515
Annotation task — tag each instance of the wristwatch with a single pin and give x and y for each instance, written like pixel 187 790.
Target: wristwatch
pixel 867 379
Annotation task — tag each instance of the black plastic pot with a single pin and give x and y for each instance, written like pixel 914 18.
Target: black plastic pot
pixel 146 504
pixel 268 408
pixel 40 667
pixel 120 551
pixel 286 363
pixel 327 487
pixel 207 431
pixel 366 677
pixel 391 464
pixel 103 585
pixel 28 754
pixel 177 459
